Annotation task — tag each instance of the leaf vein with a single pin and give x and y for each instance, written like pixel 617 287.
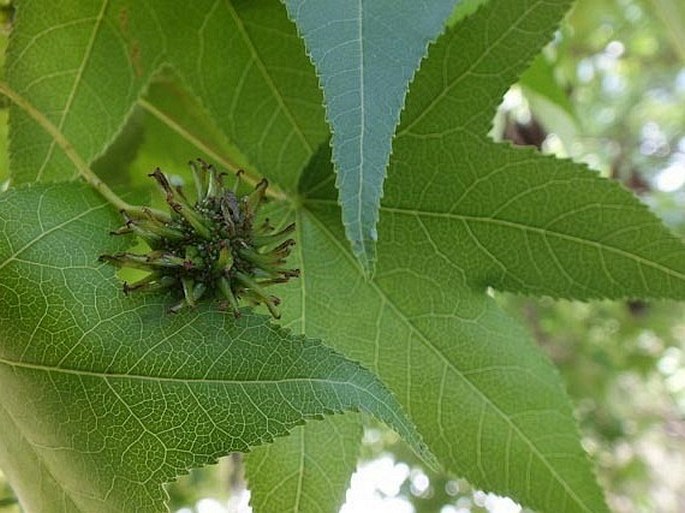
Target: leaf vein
pixel 77 82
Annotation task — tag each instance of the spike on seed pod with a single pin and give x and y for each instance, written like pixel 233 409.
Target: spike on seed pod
pixel 212 249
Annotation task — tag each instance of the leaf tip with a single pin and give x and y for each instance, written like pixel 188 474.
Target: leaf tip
pixel 365 252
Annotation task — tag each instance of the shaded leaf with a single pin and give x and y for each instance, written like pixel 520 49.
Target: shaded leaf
pixel 366 54
pixel 308 471
pixel 110 396
pixel 243 59
pixel 176 130
pixel 539 79
pixel 82 64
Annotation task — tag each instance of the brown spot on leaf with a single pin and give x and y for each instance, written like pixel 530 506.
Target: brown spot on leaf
pixel 123 20
pixel 134 54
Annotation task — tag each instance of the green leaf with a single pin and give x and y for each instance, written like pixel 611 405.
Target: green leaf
pixel 487 401
pixel 83 66
pixel 365 54
pixel 536 225
pixel 475 63
pixel 177 129
pixel 246 63
pixel 540 80
pixel 306 472
pixel 525 223
pixel 460 213
pixel 110 396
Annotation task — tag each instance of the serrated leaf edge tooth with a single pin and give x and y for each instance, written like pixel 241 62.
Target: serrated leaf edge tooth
pixel 424 451
pixel 639 205
pixel 526 63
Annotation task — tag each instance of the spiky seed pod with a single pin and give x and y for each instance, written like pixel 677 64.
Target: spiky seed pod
pixel 210 249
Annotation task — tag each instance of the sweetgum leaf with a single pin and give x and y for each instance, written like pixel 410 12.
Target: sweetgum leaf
pixel 487 401
pixel 306 472
pixel 80 63
pixel 106 397
pixel 366 54
pixel 243 59
pixel 84 65
pixel 535 225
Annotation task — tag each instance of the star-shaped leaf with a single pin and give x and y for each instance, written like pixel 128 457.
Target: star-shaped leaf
pixel 107 397
pixel 460 214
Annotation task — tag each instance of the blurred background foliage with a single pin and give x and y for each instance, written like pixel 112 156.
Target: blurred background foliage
pixel 608 91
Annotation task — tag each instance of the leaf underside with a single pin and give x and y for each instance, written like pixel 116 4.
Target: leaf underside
pixel 485 398
pixel 308 471
pixel 460 213
pixel 111 396
pixel 365 54
pixel 85 64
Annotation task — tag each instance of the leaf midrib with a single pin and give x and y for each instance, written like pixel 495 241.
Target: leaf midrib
pixel 170 379
pixel 362 117
pixel 521 226
pixel 77 82
pixel 408 323
pixel 543 231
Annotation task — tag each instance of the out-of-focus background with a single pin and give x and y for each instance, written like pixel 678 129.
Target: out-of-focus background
pixel 608 91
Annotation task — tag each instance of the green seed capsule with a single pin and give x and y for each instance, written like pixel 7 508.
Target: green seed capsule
pixel 225 288
pixel 214 248
pixel 152 282
pixel 199 178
